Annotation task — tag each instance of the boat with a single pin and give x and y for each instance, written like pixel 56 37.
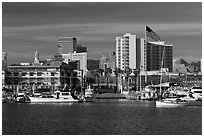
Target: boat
pixel 191 101
pixel 171 102
pixel 22 98
pixel 89 94
pixel 63 98
pixel 168 102
pixel 197 92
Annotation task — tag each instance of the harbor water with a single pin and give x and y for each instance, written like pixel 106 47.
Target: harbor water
pixel 103 117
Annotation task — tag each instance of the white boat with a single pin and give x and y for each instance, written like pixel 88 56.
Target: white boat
pixel 52 99
pixel 171 102
pixel 168 102
pixel 197 92
pixel 89 95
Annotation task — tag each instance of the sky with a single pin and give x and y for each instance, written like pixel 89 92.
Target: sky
pixel 36 26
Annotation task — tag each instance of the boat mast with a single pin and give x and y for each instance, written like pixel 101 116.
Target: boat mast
pixel 160 91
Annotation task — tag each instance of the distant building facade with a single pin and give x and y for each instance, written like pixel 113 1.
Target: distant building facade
pixel 4 66
pixel 81 57
pixel 103 63
pixel 129 51
pixel 154 53
pixel 137 53
pixel 66 44
pixel 79 48
pixel 4 60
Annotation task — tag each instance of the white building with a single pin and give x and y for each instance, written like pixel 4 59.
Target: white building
pixel 129 51
pixel 81 57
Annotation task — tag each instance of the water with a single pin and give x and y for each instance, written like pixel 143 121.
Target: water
pixel 100 118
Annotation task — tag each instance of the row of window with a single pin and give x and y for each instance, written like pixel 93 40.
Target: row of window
pixel 31 69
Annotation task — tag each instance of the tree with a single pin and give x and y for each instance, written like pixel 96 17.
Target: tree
pixel 97 74
pixel 117 72
pixel 107 74
pixel 136 73
pixel 128 71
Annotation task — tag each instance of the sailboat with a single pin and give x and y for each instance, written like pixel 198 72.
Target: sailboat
pixel 168 102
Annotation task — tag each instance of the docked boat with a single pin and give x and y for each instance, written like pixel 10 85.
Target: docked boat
pixel 22 98
pixel 171 102
pixel 197 92
pixel 89 95
pixel 168 102
pixel 52 99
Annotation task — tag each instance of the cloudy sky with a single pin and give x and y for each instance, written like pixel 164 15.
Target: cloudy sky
pixel 27 27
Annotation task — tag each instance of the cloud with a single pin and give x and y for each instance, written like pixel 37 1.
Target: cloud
pixel 27 27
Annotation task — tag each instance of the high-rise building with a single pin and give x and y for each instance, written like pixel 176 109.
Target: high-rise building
pixel 154 54
pixel 66 44
pixel 136 53
pixel 128 51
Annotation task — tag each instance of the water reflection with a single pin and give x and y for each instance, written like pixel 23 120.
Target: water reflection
pixel 113 117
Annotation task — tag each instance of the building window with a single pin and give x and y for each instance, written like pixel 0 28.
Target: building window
pixel 52 74
pixel 24 74
pixel 16 74
pixel 8 73
pixel 31 74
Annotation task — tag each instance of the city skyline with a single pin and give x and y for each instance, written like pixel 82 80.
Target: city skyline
pixel 27 27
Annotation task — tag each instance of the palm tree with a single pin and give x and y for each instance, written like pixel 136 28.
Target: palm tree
pixel 128 71
pixel 97 74
pixel 136 73
pixel 107 74
pixel 117 72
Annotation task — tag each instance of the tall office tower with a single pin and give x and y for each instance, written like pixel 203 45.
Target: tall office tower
pixel 66 44
pixel 154 53
pixel 129 51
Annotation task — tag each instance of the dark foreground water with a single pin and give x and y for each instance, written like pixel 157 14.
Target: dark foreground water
pixel 100 118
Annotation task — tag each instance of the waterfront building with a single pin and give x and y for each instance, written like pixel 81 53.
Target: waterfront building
pixel 49 76
pixel 66 44
pixel 129 51
pixel 41 75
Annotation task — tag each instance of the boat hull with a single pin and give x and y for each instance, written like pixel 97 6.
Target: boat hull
pixel 89 99
pixel 194 103
pixel 51 100
pixel 160 104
